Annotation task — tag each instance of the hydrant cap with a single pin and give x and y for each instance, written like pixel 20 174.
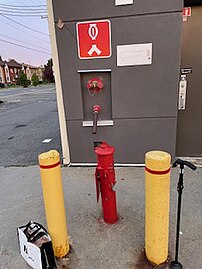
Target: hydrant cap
pixel 104 149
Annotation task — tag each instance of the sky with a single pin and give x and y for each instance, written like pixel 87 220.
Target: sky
pixel 31 46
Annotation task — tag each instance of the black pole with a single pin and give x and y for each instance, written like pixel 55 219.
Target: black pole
pixel 179 189
pixel 176 264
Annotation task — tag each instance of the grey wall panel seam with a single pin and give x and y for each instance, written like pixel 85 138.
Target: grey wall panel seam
pixel 137 118
pixel 145 118
pixel 124 16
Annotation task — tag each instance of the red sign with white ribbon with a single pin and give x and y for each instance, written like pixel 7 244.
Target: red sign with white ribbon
pixel 94 39
pixel 186 11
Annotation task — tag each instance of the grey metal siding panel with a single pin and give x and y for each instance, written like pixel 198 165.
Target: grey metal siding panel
pixel 90 9
pixel 144 98
pixel 132 138
pixel 146 91
pixel 189 132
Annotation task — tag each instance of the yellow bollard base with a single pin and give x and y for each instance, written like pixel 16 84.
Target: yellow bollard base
pixel 145 263
pixel 154 259
pixel 61 251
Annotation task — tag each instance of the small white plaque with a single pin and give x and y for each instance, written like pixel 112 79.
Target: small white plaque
pixel 137 54
pixel 123 2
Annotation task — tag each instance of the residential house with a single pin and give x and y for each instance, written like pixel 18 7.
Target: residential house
pixel 2 72
pixel 12 71
pixel 40 72
pixel 30 70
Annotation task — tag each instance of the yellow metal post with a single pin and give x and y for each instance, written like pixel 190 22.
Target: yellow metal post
pixel 54 201
pixel 157 201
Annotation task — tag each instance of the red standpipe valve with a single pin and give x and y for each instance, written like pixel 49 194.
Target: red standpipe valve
pixel 105 181
pixel 95 85
pixel 96 110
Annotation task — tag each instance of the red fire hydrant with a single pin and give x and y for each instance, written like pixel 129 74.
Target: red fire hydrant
pixel 105 181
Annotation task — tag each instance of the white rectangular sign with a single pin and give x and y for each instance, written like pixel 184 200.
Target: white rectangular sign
pixel 123 2
pixel 136 54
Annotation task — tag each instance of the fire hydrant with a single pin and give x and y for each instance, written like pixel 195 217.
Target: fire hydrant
pixel 105 181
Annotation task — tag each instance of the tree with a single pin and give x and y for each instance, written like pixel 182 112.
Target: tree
pixel 23 80
pixel 35 80
pixel 48 72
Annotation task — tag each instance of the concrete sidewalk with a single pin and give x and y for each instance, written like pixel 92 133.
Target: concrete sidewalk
pixel 94 244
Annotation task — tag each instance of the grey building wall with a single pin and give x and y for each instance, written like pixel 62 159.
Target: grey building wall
pixel 69 10
pixel 144 98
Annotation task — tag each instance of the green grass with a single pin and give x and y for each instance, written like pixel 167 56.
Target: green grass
pixel 12 86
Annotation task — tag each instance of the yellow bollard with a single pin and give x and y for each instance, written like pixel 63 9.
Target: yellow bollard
pixel 54 201
pixel 157 202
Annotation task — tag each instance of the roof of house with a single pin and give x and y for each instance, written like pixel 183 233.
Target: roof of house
pixel 30 66
pixel 13 63
pixel 1 61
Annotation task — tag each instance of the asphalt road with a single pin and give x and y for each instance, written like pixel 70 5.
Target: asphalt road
pixel 27 118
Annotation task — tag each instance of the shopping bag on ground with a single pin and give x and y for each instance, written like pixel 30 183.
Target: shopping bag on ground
pixel 36 246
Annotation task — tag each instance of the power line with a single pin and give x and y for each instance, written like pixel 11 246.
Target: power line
pixel 22 31
pixel 30 34
pixel 27 27
pixel 22 42
pixel 22 6
pixel 14 9
pixel 20 15
pixel 21 46
pixel 23 11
